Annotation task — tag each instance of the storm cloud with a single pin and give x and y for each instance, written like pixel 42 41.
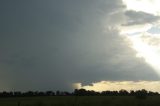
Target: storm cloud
pixel 50 44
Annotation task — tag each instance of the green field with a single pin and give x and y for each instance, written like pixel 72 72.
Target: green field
pixel 80 101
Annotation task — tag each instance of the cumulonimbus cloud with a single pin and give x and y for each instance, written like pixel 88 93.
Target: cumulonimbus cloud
pixel 60 42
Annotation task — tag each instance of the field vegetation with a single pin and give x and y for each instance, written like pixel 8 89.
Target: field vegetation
pixel 81 101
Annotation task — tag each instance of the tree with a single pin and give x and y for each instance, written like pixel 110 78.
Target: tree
pixel 141 94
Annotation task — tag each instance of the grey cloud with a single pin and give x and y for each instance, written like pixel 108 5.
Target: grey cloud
pixel 50 45
pixel 139 17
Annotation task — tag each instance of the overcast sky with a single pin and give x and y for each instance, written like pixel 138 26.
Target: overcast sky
pixel 51 44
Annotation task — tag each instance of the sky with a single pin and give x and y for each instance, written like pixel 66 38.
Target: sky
pixel 67 44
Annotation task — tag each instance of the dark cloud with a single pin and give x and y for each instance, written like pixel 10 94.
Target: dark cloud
pixel 48 45
pixel 139 17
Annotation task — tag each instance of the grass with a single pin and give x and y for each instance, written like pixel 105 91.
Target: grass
pixel 80 101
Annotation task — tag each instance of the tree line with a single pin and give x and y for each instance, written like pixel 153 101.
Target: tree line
pixel 79 92
pixel 143 92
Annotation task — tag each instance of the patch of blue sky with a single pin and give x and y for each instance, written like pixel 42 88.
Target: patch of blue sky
pixel 154 30
pixel 135 33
